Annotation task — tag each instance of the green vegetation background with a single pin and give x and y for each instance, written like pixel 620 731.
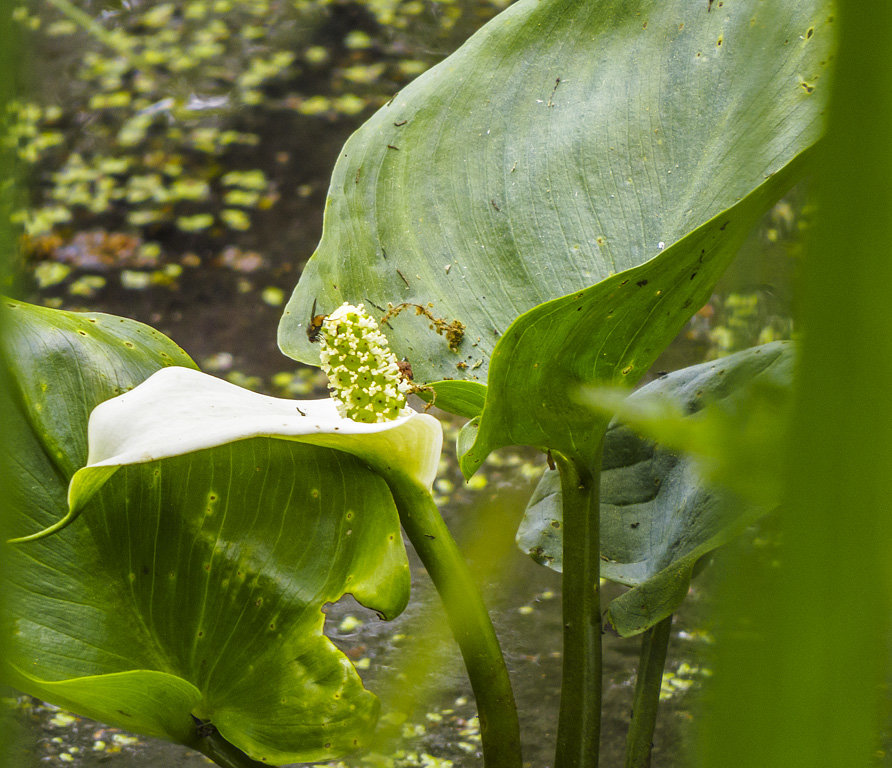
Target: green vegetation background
pixel 811 689
pixel 803 671
pixel 8 80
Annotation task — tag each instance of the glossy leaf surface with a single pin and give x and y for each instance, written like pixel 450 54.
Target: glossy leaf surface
pixel 658 516
pixel 190 586
pixel 566 142
pixel 66 363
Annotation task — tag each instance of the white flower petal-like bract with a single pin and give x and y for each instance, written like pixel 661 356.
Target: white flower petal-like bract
pixel 181 410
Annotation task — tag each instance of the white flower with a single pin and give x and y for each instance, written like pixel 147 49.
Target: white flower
pixel 181 410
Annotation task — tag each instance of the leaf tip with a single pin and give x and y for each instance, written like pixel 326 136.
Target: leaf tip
pixel 469 464
pixel 69 518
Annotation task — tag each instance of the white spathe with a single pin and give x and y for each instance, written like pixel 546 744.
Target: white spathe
pixel 180 410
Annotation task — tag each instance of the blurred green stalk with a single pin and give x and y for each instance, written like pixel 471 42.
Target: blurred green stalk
pixel 93 27
pixel 468 620
pixel 803 669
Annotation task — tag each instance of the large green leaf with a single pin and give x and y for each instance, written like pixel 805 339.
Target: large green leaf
pixel 566 142
pixel 611 333
pixel 659 517
pixel 738 441
pixel 191 586
pixel 66 363
pixel 177 412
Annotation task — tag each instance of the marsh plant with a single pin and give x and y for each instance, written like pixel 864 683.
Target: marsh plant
pixel 566 188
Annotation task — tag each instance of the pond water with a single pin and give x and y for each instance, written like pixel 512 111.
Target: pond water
pixel 219 295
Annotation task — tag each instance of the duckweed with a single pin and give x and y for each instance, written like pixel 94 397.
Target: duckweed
pixel 235 219
pixel 197 223
pixel 189 91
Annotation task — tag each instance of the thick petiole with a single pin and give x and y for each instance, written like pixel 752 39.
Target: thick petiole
pixel 579 723
pixel 468 620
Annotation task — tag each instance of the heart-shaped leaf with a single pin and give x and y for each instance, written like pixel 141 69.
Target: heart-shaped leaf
pixel 738 442
pixel 566 142
pixel 658 516
pixel 191 586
